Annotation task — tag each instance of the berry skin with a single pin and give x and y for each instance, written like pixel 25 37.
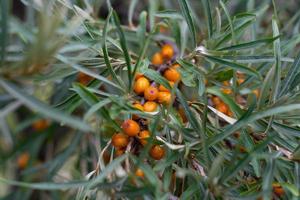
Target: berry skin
pixel 150 106
pixel 141 85
pixel 40 125
pixel 222 107
pixel 157 59
pixel 143 135
pixel 240 81
pixel 216 101
pixel 151 93
pixel 119 140
pixel 256 92
pixel 277 189
pixel 157 152
pixel 138 75
pixel 139 173
pixel 23 160
pixel 164 97
pixel 172 74
pixel 162 88
pixel 167 51
pixel 83 78
pixel 130 127
pixel 226 90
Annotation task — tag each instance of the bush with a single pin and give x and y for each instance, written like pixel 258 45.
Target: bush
pixel 149 100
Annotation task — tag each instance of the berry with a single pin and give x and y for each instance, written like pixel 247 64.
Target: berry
pixel 172 74
pixel 40 125
pixel 167 51
pixel 157 152
pixel 143 135
pixel 226 90
pixel 277 189
pixel 222 107
pixel 162 88
pixel 138 75
pixel 141 85
pixel 139 173
pixel 151 93
pixel 164 97
pixel 216 100
pixel 119 152
pixel 119 140
pixel 256 92
pixel 150 106
pixel 157 59
pixel 83 78
pixel 23 160
pixel 130 127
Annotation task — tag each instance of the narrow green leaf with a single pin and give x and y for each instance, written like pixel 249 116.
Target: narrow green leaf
pixel 188 17
pixel 277 53
pixel 208 15
pixel 43 108
pixel 229 21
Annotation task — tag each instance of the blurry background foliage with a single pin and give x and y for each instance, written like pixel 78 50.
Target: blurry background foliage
pixel 44 44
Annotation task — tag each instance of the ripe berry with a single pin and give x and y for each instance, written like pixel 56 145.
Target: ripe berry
pixel 162 88
pixel 172 74
pixel 226 90
pixel 222 107
pixel 130 127
pixel 40 125
pixel 150 106
pixel 139 173
pixel 23 160
pixel 164 97
pixel 151 93
pixel 167 51
pixel 157 59
pixel 138 75
pixel 216 100
pixel 256 92
pixel 119 140
pixel 157 152
pixel 277 189
pixel 143 135
pixel 240 81
pixel 83 78
pixel 141 85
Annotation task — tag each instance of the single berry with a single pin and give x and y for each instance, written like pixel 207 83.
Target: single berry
pixel 130 127
pixel 164 97
pixel 167 51
pixel 143 136
pixel 172 74
pixel 157 152
pixel 162 88
pixel 23 160
pixel 141 85
pixel 151 93
pixel 157 59
pixel 119 140
pixel 139 173
pixel 150 106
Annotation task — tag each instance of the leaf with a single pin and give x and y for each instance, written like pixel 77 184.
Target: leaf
pixel 187 15
pixel 233 36
pixel 43 108
pixel 208 15
pixel 124 47
pixel 4 6
pixel 234 66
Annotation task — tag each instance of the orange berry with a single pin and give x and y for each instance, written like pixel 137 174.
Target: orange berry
pixel 119 152
pixel 138 106
pixel 130 127
pixel 157 59
pixel 227 90
pixel 139 173
pixel 216 100
pixel 143 135
pixel 175 66
pixel 119 140
pixel 40 125
pixel 167 51
pixel 222 107
pixel 229 113
pixel 141 85
pixel 226 83
pixel 138 75
pixel 277 189
pixel 172 74
pixel 162 88
pixel 164 97
pixel 151 93
pixel 23 160
pixel 157 152
pixel 150 106
pixel 83 78
pixel 240 80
